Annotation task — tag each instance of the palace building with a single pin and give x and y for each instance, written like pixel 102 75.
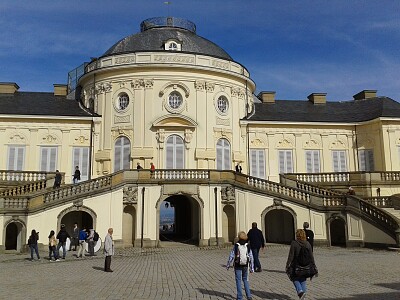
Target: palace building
pixel 170 97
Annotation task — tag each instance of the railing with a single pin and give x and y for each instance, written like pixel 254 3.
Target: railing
pixel 181 174
pixel 321 177
pixel 16 203
pixel 315 189
pixel 390 176
pixel 335 202
pixel 6 175
pixel 380 201
pixel 274 187
pixel 78 189
pixel 25 189
pixel 379 216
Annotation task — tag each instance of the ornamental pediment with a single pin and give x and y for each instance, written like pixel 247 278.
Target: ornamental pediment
pixel 174 121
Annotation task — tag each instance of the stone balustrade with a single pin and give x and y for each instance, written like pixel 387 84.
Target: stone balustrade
pixel 378 215
pixel 15 203
pixel 181 174
pixel 24 189
pixel 383 202
pixel 6 175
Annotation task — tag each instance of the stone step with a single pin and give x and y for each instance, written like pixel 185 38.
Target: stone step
pixel 393 212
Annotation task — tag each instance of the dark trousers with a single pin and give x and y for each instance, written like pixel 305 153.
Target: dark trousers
pixel 107 263
pixel 257 264
pixel 53 251
pixel 91 247
pixel 34 248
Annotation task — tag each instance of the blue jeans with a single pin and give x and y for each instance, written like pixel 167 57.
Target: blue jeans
pixel 34 248
pixel 241 274
pixel 64 246
pixel 300 285
pixel 257 264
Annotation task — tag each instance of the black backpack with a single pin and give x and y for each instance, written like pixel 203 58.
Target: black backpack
pixel 95 236
pixel 304 257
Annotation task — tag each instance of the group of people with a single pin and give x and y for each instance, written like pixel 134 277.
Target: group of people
pixel 75 178
pixel 300 264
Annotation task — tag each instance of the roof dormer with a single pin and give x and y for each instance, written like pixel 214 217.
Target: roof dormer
pixel 173 45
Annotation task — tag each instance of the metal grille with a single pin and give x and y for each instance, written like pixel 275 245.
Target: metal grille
pixel 167 22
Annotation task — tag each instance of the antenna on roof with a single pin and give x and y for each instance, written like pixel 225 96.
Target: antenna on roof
pixel 168 3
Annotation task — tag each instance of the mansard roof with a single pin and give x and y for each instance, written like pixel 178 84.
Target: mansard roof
pixel 40 104
pixel 334 112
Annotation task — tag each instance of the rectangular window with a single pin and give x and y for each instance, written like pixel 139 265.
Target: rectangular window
pixel 339 161
pixel 16 158
pixel 81 159
pixel 366 160
pixel 257 165
pixel 48 159
pixel 285 161
pixel 313 161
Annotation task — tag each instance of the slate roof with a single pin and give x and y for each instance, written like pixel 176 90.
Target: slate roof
pixel 153 40
pixel 335 112
pixel 39 104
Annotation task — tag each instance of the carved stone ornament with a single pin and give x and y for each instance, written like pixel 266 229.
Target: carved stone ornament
pixel 228 194
pixel 285 143
pixel 130 195
pixel 17 139
pixel 148 83
pixel 49 139
pixel 103 88
pixel 210 87
pixel 160 136
pixel 311 144
pixel 81 139
pixel 137 84
pixel 77 204
pixel 238 92
pixel 200 85
pixel 188 137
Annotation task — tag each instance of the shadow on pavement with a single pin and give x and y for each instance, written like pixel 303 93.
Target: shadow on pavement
pixel 393 285
pixel 98 268
pixel 216 293
pixel 266 295
pixel 370 296
pixel 275 271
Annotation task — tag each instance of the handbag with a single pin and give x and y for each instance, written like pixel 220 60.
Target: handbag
pixel 305 271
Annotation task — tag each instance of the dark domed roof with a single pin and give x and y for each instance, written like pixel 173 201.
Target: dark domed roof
pixel 156 31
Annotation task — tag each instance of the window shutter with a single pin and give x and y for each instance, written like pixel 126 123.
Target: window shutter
pixel 309 161
pixel 76 158
pixel 117 155
pixel 53 159
pixel 126 154
pixel 11 158
pixel 179 153
pixel 281 161
pixel 343 167
pixel 335 157
pixel 316 162
pixel 289 164
pixel 20 151
pixel 44 159
pixel 261 164
pixel 371 166
pixel 170 153
pixel 253 164
pixel 85 164
pixel 227 156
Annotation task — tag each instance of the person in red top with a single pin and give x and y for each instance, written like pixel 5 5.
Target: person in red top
pixel 152 167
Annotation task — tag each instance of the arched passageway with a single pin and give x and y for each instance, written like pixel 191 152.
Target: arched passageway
pixel 228 224
pixel 279 226
pixel 337 231
pixel 13 236
pixel 129 225
pixel 184 226
pixel 83 219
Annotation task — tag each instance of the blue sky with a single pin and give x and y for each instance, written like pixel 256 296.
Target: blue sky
pixel 293 47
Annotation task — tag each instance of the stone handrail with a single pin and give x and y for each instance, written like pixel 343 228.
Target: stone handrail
pixel 14 203
pixel 382 202
pixel 390 176
pixel 6 175
pixel 320 177
pixel 24 189
pixel 274 187
pixel 181 174
pixel 379 216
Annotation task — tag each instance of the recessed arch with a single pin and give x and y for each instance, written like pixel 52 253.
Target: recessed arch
pixel 14 235
pixel 279 223
pixel 77 209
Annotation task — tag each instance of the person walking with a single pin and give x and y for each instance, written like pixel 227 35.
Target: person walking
pixel 57 180
pixel 138 166
pixel 52 246
pixel 300 264
pixel 309 234
pixel 256 239
pixel 77 175
pixel 238 168
pixel 108 250
pixel 75 237
pixel 62 237
pixel 90 241
pixel 242 259
pixel 82 239
pixel 33 244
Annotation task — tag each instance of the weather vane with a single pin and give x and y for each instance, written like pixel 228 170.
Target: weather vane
pixel 168 3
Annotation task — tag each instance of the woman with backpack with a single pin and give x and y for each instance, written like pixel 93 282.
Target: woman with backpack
pixel 300 264
pixel 33 243
pixel 242 259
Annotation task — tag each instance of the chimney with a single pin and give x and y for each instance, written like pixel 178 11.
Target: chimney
pixel 317 98
pixel 267 96
pixel 8 87
pixel 365 94
pixel 60 89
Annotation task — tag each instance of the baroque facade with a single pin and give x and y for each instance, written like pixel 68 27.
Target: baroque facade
pixel 170 97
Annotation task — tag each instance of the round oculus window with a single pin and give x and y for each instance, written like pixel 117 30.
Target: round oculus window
pixel 222 104
pixel 123 101
pixel 175 100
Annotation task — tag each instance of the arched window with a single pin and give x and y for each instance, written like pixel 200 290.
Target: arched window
pixel 175 152
pixel 122 153
pixel 223 155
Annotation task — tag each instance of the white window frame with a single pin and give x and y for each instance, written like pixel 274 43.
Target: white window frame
pixel 175 147
pixel 257 164
pixel 285 161
pixel 313 161
pixel 366 160
pixel 48 158
pixel 223 155
pixel 16 158
pixel 79 159
pixel 339 161
pixel 122 154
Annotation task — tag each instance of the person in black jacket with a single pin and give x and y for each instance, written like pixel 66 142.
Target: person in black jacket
pixel 62 240
pixel 77 175
pixel 309 234
pixel 257 241
pixel 57 180
pixel 33 243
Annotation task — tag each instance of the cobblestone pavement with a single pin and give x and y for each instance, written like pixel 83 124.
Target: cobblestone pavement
pixel 194 273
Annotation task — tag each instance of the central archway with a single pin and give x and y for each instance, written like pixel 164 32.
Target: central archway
pixel 184 224
pixel 279 226
pixel 83 219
